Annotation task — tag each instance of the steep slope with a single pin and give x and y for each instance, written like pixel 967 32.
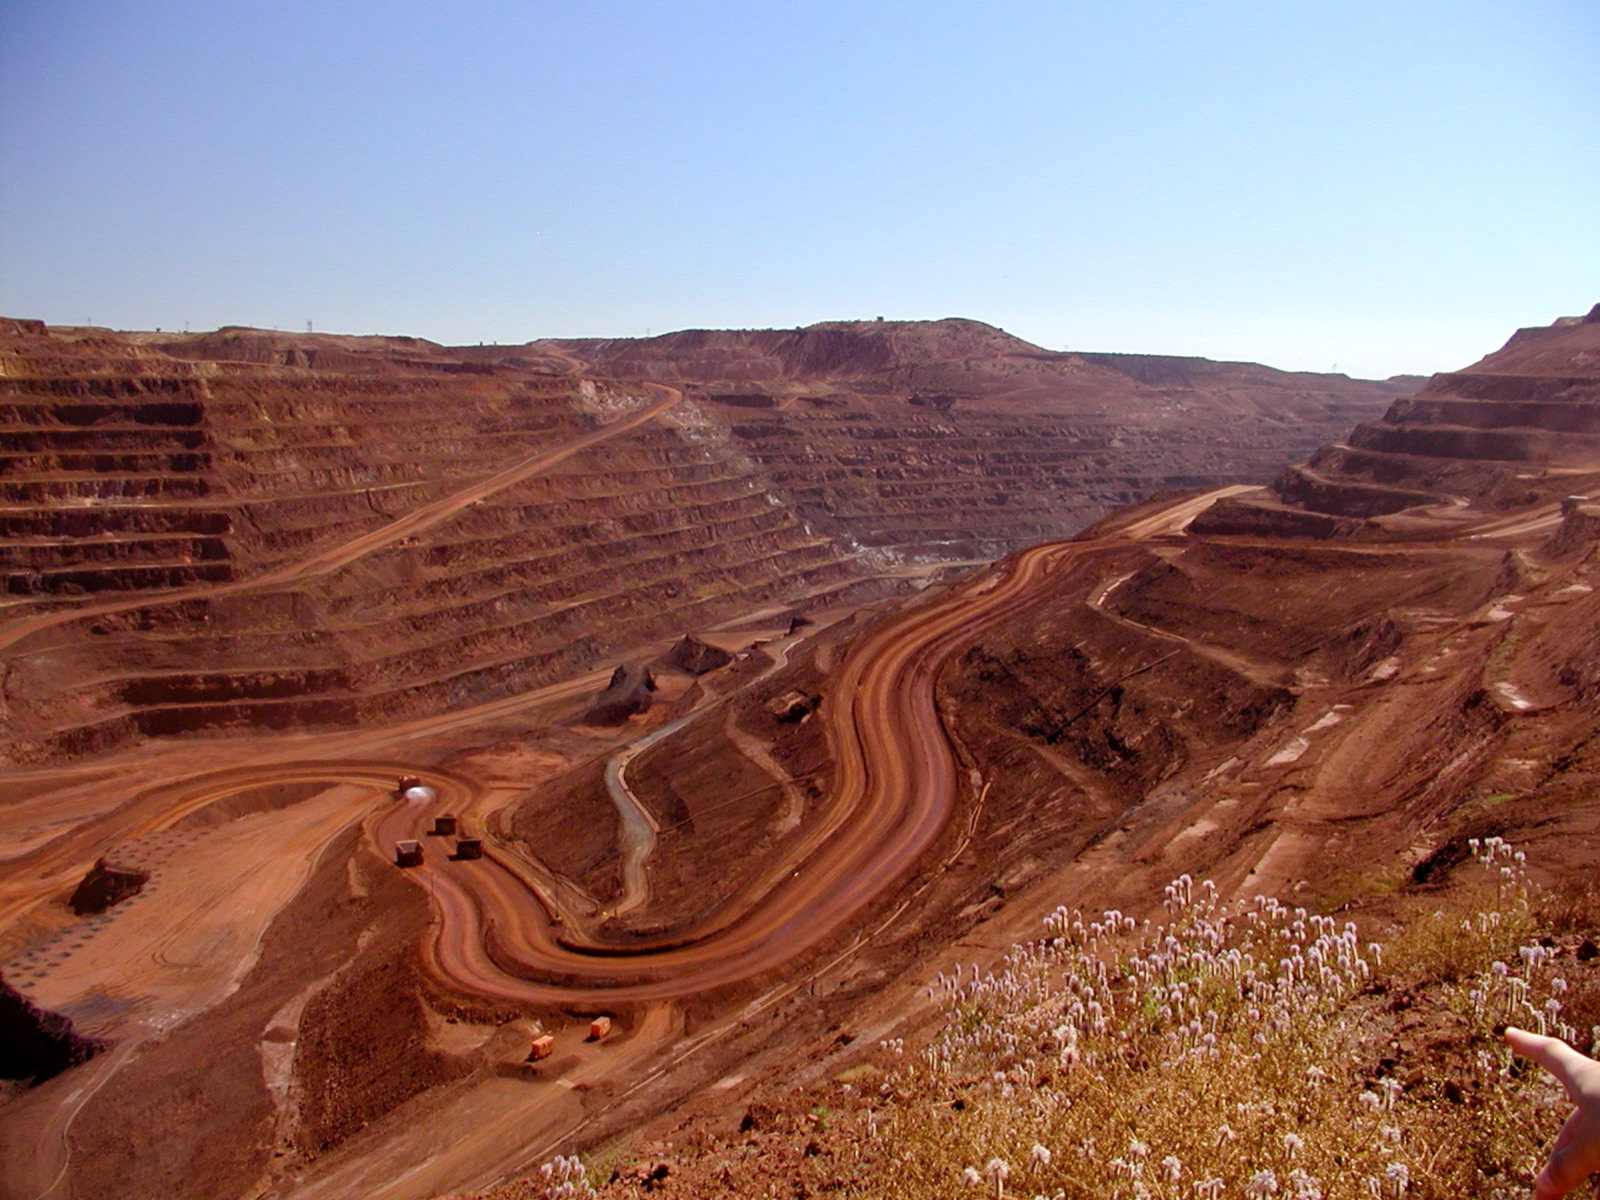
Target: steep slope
pixel 1519 427
pixel 954 439
pixel 213 532
pixel 1257 703
pixel 185 509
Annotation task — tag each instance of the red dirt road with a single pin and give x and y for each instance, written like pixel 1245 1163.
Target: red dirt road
pixel 896 788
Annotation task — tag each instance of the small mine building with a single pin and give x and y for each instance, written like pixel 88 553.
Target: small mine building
pixel 444 825
pixel 541 1048
pixel 469 847
pixel 408 853
pixel 599 1028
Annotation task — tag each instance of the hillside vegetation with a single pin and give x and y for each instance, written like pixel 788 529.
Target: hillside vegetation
pixel 1254 1049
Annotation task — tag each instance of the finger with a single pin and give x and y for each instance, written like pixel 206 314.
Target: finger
pixel 1554 1055
pixel 1572 1160
pixel 1549 1185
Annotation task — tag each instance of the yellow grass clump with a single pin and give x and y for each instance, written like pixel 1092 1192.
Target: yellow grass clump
pixel 1227 1050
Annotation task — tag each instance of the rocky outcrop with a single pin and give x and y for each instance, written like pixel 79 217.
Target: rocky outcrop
pixel 1579 530
pixel 793 707
pixel 1254 518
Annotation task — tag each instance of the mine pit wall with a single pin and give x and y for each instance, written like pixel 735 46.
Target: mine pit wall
pixel 1229 516
pixel 1093 731
pixel 1505 445
pixel 271 458
pixel 1511 389
pixel 175 706
pixel 1212 593
pixel 1464 434
pixel 1344 498
pixel 500 598
pixel 961 480
pixel 1435 476
pixel 445 623
pixel 247 446
pixel 1571 417
pixel 90 456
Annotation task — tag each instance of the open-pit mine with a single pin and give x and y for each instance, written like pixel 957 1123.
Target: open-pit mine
pixel 420 760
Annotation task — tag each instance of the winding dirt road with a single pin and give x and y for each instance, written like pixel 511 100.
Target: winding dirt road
pixel 896 787
pixel 498 934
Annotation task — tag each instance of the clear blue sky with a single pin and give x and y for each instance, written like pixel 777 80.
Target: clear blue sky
pixel 1390 186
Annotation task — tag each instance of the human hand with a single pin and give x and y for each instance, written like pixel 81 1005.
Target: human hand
pixel 1577 1150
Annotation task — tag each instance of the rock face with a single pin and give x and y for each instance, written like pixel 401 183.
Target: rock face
pixel 182 491
pixel 1579 528
pixel 37 1045
pixel 953 439
pixel 1519 427
pixel 695 657
pixel 630 692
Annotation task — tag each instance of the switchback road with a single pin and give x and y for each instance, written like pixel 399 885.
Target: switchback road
pixel 896 787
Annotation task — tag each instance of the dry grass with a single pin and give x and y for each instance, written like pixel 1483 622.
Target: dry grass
pixel 1231 1051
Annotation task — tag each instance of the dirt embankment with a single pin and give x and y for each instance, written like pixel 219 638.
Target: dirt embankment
pixel 363 1046
pixel 570 825
pixel 1516 429
pixel 123 1140
pixel 37 1045
pixel 730 792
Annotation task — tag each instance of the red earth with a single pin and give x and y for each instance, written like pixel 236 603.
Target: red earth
pixel 254 579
